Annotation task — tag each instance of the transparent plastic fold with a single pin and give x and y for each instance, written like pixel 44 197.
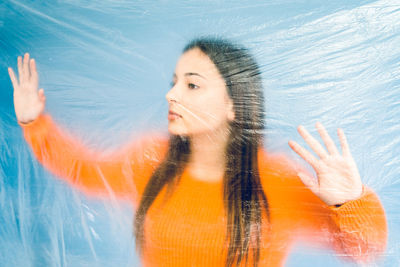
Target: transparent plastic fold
pixel 107 174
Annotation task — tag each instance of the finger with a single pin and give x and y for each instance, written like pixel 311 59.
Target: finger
pixel 14 80
pixel 309 182
pixel 25 67
pixel 20 72
pixel 343 143
pixel 307 156
pixel 330 145
pixel 312 142
pixel 34 75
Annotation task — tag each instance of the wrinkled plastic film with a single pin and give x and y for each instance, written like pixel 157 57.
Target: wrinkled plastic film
pixel 72 180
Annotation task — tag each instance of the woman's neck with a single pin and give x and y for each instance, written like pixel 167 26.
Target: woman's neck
pixel 208 158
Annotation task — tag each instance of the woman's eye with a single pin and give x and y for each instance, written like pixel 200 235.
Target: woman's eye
pixel 171 84
pixel 192 86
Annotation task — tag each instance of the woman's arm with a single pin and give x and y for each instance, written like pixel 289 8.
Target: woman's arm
pixel 357 230
pixel 123 172
pixel 358 221
pixel 361 228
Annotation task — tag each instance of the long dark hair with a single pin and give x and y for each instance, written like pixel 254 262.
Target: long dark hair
pixel 244 199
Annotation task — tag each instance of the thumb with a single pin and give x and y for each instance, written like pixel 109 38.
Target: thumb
pixel 42 97
pixel 309 182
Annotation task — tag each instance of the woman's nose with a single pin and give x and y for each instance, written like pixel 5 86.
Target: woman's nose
pixel 171 96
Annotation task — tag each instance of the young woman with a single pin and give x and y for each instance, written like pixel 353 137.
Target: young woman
pixel 210 195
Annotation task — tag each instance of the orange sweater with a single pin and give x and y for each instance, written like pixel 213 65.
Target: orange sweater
pixel 189 228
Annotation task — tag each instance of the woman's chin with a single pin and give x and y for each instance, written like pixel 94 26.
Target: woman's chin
pixel 175 130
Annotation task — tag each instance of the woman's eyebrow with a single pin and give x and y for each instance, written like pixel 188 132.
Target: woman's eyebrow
pixel 194 74
pixel 190 74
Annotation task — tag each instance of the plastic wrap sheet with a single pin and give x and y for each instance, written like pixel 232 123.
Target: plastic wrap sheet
pixel 107 65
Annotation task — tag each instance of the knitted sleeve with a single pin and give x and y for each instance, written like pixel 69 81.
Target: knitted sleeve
pixel 357 230
pixel 123 173
pixel 361 229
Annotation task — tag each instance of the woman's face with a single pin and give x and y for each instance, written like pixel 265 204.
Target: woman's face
pixel 198 100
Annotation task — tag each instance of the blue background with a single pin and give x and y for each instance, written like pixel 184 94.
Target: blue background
pixel 106 66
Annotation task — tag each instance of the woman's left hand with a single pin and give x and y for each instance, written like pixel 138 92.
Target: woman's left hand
pixel 338 177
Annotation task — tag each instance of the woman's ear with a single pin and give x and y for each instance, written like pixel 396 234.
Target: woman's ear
pixel 231 111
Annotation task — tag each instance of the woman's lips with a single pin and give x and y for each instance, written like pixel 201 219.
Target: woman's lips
pixel 173 116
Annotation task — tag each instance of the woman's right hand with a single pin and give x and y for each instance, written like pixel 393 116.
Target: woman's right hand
pixel 29 102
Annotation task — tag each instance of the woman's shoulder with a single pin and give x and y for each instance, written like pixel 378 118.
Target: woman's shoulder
pixel 278 168
pixel 149 146
pixel 275 162
pixel 279 179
